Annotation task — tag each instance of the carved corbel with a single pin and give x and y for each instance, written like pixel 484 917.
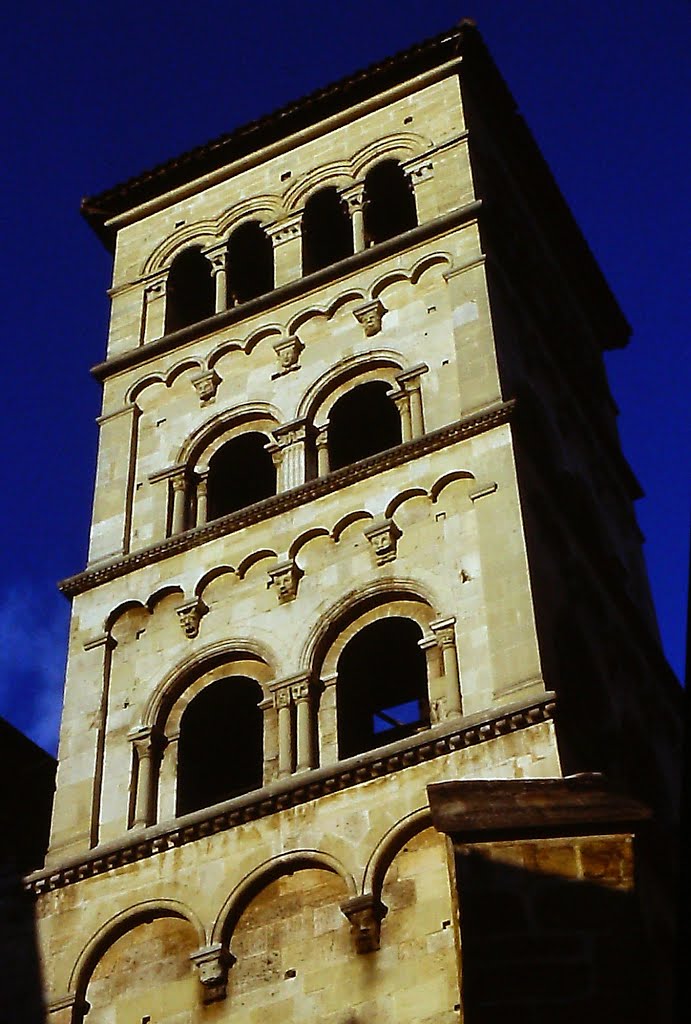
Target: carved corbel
pixel 285 577
pixel 288 354
pixel 190 615
pixel 365 914
pixel 206 384
pixel 212 964
pixel 383 536
pixel 370 316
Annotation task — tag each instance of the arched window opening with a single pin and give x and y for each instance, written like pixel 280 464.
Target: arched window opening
pixel 362 422
pixel 389 202
pixel 327 234
pixel 221 745
pixel 240 473
pixel 190 290
pixel 382 686
pixel 250 262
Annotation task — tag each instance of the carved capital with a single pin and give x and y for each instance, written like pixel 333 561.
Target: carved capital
pixel 190 615
pixel 288 353
pixel 155 290
pixel 419 170
pixel 146 740
pixel 365 914
pixel 178 479
pixel 354 197
pixel 301 690
pixel 383 536
pixel 444 631
pixel 282 696
pixel 291 433
pixel 370 315
pixel 206 385
pixel 217 259
pixel 285 230
pixel 213 964
pixel 285 577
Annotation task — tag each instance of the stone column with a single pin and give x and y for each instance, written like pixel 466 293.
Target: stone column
pixel 401 400
pixel 354 199
pixel 270 724
pixel 445 633
pixel 328 730
pixel 283 701
pixel 178 480
pixel 420 174
pixel 146 745
pixel 167 778
pixel 202 497
pixel 219 271
pixel 301 693
pixel 286 236
pixel 322 443
pixel 154 314
pixel 291 463
pixel 410 384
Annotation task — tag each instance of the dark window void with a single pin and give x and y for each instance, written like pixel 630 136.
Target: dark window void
pixel 220 750
pixel 382 686
pixel 363 422
pixel 389 202
pixel 190 290
pixel 250 263
pixel 327 234
pixel 240 473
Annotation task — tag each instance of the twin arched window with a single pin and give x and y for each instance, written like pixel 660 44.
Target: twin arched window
pixel 362 422
pixel 381 696
pixel 328 236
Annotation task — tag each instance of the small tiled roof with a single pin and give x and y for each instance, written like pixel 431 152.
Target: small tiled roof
pixel 266 130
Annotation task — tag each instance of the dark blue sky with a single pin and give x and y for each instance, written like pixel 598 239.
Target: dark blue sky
pixel 95 93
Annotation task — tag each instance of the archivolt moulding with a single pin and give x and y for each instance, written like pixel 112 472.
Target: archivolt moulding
pixel 402 145
pixel 176 681
pixel 121 923
pixel 344 371
pixel 203 233
pixel 282 864
pixel 390 844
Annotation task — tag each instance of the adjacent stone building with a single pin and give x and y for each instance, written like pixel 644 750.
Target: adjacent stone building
pixel 365 596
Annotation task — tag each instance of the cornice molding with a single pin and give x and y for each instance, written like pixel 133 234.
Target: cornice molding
pixel 279 503
pixel 293 791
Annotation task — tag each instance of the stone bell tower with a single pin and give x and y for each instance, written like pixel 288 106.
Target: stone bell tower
pixel 364 587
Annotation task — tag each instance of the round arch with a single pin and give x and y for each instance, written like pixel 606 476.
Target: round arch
pixel 282 864
pixel 260 416
pixel 217 656
pixel 317 401
pixel 389 845
pixel 122 922
pixel 353 611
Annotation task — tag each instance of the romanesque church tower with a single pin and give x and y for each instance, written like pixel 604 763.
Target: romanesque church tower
pixel 365 611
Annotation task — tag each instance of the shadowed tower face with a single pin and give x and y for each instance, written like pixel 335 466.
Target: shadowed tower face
pixel 363 545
